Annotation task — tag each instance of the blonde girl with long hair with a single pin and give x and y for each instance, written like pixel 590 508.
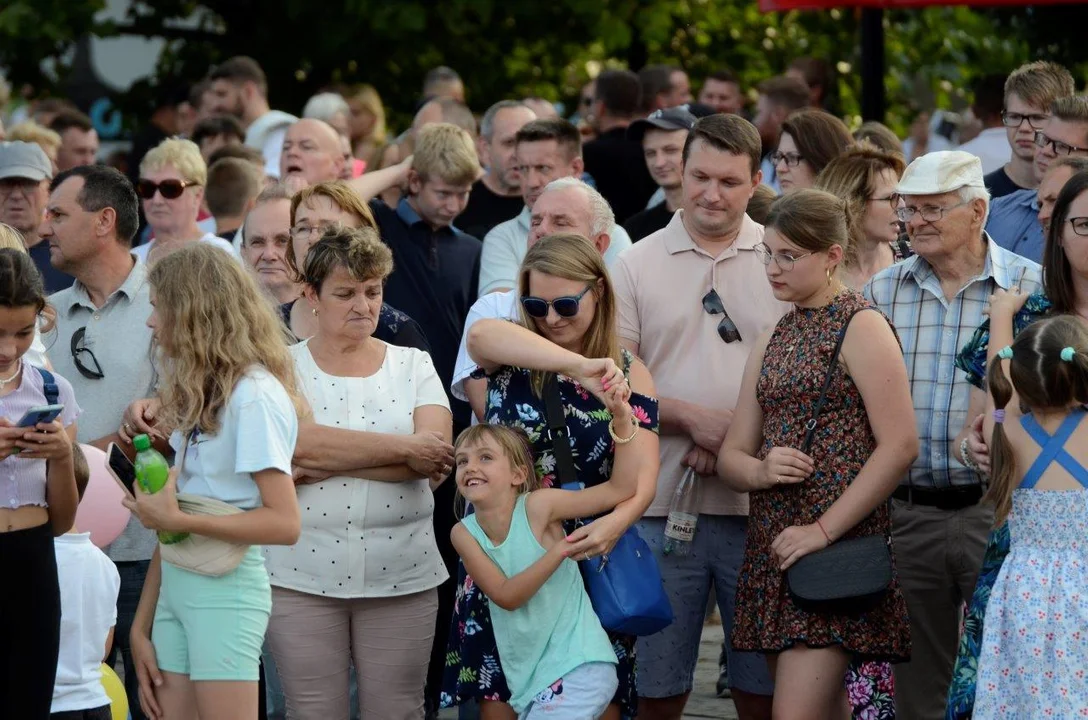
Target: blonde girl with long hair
pixel 567 341
pixel 229 399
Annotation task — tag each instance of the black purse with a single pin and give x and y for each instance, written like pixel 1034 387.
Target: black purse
pixel 850 576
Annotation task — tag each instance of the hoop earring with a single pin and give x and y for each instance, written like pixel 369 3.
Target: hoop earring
pixel 828 277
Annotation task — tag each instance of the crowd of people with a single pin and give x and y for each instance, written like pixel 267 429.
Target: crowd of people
pixel 427 395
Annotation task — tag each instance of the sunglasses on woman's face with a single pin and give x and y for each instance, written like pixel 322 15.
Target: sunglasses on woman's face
pixel 566 306
pixel 169 189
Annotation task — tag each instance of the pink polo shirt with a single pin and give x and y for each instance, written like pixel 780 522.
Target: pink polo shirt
pixel 660 283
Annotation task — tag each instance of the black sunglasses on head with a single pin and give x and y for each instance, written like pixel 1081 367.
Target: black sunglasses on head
pixel 727 329
pixel 566 306
pixel 169 189
pixel 78 350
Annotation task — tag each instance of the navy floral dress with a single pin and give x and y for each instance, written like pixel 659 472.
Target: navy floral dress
pixel 472 659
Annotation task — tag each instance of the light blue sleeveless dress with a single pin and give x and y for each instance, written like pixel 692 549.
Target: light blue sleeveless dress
pixel 1034 658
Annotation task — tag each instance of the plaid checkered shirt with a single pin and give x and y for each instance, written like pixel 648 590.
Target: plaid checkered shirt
pixel 932 329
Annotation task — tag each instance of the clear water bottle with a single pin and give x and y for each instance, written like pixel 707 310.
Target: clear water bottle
pixel 683 515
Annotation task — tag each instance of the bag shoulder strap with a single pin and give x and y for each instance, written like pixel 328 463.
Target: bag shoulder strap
pixel 49 386
pixel 565 470
pixel 810 426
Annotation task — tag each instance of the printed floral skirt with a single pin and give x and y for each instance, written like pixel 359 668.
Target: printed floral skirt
pixel 871 690
pixel 472 658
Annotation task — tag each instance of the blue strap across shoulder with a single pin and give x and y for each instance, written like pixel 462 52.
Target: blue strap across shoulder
pixel 1053 449
pixel 49 386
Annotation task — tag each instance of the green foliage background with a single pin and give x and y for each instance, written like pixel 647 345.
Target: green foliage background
pixel 543 47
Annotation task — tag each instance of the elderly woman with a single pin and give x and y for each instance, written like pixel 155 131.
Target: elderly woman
pixel 810 140
pixel 361 582
pixel 171 190
pixel 314 210
pixel 568 311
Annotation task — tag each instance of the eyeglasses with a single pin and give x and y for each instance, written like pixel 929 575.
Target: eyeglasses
pixel 929 213
pixel 791 159
pixel 1080 225
pixel 169 189
pixel 1012 119
pixel 1060 148
pixel 78 350
pixel 566 306
pixel 727 329
pixel 306 231
pixel 783 260
pixel 11 186
pixel 892 199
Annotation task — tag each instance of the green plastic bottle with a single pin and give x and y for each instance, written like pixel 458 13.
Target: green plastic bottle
pixel 152 472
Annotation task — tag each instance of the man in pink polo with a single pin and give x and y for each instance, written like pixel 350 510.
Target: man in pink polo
pixel 693 298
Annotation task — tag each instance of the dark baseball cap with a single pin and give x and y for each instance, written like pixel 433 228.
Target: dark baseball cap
pixel 674 118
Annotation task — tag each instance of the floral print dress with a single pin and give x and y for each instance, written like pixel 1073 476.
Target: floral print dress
pixel 472 658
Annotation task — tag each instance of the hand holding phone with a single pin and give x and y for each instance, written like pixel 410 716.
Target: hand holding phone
pixel 121 468
pixel 41 414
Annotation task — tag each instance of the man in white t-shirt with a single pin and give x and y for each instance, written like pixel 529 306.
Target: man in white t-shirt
pixel 89 584
pixel 240 88
pixel 566 205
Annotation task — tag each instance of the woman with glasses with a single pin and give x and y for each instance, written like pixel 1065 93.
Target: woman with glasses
pixel 38 496
pixel 810 140
pixel 360 586
pixel 171 190
pixel 805 496
pixel 865 177
pixel 566 335
pixel 1065 292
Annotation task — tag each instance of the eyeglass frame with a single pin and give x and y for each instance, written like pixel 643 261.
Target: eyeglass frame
pixel 791 159
pixel 25 188
pixel 297 232
pixel 892 199
pixel 1047 140
pixel 766 256
pixel 1005 115
pixel 727 329
pixel 185 185
pixel 1072 223
pixel 907 213
pixel 76 348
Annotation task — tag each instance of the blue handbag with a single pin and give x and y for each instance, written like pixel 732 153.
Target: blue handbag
pixel 624 586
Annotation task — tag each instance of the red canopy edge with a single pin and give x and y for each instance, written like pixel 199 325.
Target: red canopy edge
pixel 781 5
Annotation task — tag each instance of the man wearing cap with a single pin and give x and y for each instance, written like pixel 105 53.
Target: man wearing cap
pixel 937 299
pixel 662 136
pixel 25 172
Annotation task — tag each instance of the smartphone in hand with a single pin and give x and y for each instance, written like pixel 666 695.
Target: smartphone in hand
pixel 121 468
pixel 41 414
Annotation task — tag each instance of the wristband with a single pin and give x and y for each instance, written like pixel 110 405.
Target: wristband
pixel 821 526
pixel 968 461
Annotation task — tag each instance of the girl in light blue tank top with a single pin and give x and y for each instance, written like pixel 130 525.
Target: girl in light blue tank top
pixel 557 659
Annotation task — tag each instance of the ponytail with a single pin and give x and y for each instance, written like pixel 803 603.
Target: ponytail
pixel 1002 461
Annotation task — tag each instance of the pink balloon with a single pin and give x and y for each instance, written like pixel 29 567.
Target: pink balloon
pixel 100 512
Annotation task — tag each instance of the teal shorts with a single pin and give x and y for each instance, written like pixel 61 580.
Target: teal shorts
pixel 212 628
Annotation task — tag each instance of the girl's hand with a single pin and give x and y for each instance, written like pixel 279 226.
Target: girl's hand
pixel 147 673
pixel 597 374
pixel 9 436
pixel 1006 303
pixel 596 538
pixel 139 419
pixel 977 447
pixel 795 542
pixel 615 399
pixel 158 511
pixel 785 466
pixel 47 441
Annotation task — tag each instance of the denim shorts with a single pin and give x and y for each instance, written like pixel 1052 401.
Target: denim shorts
pixel 584 692
pixel 666 660
pixel 212 628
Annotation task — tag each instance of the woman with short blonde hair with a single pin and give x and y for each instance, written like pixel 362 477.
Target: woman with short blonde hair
pixel 31 132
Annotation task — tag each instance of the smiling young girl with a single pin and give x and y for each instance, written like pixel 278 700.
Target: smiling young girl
pixel 38 498
pixel 556 657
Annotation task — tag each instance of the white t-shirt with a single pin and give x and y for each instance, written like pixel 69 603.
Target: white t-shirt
pixel 89 584
pixel 141 251
pixel 493 306
pixel 365 538
pixel 36 354
pixel 258 430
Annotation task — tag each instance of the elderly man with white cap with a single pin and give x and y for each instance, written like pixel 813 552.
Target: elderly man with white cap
pixel 936 299
pixel 25 172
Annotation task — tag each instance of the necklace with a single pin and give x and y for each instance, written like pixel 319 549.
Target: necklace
pixel 5 381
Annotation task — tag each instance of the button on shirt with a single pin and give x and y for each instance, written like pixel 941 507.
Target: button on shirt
pixel 1014 224
pixel 118 335
pixel 660 283
pixel 932 329
pixel 505 247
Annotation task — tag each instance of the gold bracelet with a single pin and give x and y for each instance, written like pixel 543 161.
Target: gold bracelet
pixel 617 438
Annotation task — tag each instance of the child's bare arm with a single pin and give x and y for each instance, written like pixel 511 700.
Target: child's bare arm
pixel 509 593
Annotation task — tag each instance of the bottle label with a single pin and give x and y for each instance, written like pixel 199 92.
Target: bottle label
pixel 681 526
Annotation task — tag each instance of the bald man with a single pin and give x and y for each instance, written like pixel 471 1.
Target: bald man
pixel 311 154
pixel 445 110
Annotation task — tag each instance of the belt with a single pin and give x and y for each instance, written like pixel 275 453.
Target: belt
pixel 954 498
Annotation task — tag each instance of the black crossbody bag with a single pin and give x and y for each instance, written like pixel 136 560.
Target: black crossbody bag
pixel 849 576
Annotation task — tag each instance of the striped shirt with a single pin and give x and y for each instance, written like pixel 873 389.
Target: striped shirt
pixel 932 330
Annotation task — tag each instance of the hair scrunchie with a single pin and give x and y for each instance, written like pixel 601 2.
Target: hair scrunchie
pixel 1005 353
pixel 1068 353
